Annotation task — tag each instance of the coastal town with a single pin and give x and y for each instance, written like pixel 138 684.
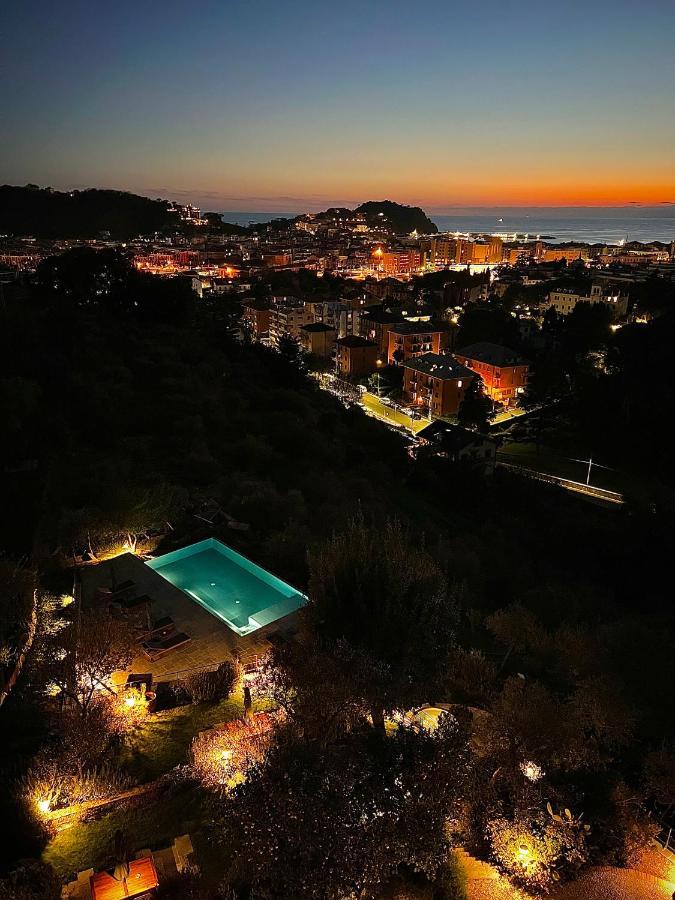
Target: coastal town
pixel 294 488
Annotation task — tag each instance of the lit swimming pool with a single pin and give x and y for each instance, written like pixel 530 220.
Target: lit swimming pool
pixel 229 586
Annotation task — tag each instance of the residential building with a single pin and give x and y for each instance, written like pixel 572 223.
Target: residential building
pixel 555 254
pixel 375 324
pixel 459 445
pixel 410 339
pixel 401 262
pixel 318 338
pixel 436 383
pixel 503 371
pixel 287 318
pixel 256 317
pixel 485 252
pixel 355 356
pixel 564 301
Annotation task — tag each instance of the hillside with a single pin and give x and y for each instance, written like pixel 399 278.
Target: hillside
pixel 397 217
pixel 45 213
pixel 42 212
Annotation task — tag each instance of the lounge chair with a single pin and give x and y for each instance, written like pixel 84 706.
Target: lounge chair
pixel 123 587
pixel 153 649
pixel 135 602
pixel 160 629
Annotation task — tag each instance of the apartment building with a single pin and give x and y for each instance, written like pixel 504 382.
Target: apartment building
pixel 565 300
pixel 436 383
pixel 409 339
pixel 355 356
pixel 503 371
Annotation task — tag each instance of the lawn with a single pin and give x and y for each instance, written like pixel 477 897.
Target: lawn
pixel 164 739
pixel 154 748
pixel 153 822
pixel 162 742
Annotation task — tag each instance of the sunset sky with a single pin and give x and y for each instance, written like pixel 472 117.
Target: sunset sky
pixel 300 105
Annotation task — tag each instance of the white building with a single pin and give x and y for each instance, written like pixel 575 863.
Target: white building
pixel 565 300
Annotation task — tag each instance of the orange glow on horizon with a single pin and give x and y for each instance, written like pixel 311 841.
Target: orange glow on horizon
pixel 558 182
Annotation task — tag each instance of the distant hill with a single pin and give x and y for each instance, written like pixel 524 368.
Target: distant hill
pixel 42 212
pixel 397 217
pixel 382 214
pixel 45 213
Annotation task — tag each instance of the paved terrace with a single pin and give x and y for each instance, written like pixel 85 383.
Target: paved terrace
pixel 212 641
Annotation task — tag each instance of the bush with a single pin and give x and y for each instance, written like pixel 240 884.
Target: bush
pixel 31 880
pixel 211 687
pixel 55 782
pixel 538 851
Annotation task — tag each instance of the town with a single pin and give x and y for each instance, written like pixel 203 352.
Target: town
pixel 337 496
pixel 290 492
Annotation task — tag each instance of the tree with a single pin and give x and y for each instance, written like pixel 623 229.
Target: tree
pixel 525 725
pixel 289 349
pixel 382 593
pixel 222 757
pixel 387 381
pixel 475 408
pixel 213 686
pixel 81 658
pixel 481 322
pixel 536 849
pixel 330 824
pixel 660 775
pixel 317 686
pixel 518 629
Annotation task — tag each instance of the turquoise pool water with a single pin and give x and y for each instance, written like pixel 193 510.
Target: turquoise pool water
pixel 229 586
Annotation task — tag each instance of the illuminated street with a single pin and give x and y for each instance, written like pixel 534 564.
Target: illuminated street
pixel 375 407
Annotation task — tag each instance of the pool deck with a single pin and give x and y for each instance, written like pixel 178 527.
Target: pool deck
pixel 212 641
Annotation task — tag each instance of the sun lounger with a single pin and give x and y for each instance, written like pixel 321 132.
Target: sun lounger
pixel 160 629
pixel 153 649
pixel 124 587
pixel 135 602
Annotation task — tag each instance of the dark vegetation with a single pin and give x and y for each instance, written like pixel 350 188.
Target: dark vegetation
pixel 396 216
pixel 43 212
pixel 428 583
pixel 46 213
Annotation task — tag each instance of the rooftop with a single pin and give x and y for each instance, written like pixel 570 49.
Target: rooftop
pixel 352 340
pixel 380 316
pixel 451 437
pixel 443 366
pixel 492 354
pixel 316 327
pixel 420 327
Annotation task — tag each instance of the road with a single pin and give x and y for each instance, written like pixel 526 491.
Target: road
pixel 576 487
pixel 374 406
pixel 514 412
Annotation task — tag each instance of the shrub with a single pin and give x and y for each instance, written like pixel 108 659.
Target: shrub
pixel 31 880
pixel 223 756
pixel 210 687
pixel 538 851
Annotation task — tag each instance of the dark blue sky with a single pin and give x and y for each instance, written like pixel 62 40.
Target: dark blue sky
pixel 270 105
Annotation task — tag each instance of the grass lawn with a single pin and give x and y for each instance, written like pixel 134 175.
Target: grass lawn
pixel 163 741
pixel 156 747
pixel 154 822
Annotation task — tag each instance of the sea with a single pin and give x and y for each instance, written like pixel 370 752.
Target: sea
pixel 587 225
